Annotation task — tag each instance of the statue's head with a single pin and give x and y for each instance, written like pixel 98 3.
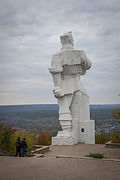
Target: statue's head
pixel 67 40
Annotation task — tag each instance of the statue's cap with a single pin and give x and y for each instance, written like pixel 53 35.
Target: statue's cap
pixel 67 38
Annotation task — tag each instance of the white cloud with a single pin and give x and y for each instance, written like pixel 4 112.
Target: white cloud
pixel 29 35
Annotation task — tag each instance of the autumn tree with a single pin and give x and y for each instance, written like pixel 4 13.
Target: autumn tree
pixel 8 137
pixel 101 138
pixel 22 134
pixel 6 134
pixel 116 114
pixel 44 139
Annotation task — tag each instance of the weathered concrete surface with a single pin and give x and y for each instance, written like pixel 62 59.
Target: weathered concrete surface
pixel 84 149
pixel 41 150
pixel 51 168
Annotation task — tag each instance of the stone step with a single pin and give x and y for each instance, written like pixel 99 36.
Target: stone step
pixel 41 150
pixel 112 145
pixel 5 153
pixel 38 155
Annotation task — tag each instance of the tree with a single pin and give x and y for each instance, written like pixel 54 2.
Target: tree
pixel 101 138
pixel 22 134
pixel 116 137
pixel 8 137
pixel 44 139
pixel 6 134
pixel 116 114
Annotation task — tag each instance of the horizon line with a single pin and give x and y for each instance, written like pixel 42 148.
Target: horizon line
pixel 56 104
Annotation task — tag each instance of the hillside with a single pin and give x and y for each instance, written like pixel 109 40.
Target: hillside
pixel 44 117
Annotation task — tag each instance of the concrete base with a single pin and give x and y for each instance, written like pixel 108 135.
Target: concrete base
pixel 87 132
pixel 84 134
pixel 62 141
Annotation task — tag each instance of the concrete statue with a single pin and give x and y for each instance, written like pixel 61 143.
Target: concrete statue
pixel 67 66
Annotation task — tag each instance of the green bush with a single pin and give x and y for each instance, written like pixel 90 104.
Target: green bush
pixel 95 155
pixel 116 114
pixel 116 137
pixel 101 138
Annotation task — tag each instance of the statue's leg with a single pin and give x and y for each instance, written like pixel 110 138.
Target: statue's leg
pixel 65 117
pixel 80 114
pixel 80 106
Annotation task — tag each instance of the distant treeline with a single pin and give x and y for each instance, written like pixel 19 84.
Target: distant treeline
pixel 43 118
pixel 49 107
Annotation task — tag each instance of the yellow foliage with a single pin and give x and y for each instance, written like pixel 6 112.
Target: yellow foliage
pixel 9 136
pixel 28 137
pixel 21 134
pixel 101 138
pixel 116 114
pixel 116 137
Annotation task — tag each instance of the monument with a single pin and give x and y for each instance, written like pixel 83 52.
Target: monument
pixel 67 66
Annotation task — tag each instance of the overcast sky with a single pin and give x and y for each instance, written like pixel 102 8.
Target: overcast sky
pixel 29 36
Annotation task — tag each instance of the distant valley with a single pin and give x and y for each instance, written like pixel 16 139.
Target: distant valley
pixel 43 118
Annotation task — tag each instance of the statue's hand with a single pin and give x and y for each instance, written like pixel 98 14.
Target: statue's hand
pixel 58 92
pixel 86 63
pixel 83 91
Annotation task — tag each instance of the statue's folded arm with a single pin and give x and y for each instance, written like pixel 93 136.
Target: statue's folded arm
pixel 55 70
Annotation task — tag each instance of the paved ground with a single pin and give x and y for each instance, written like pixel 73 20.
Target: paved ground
pixel 52 168
pixel 84 149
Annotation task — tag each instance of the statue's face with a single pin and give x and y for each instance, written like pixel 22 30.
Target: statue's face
pixel 66 39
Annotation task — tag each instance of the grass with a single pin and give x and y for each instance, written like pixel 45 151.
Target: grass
pixel 95 155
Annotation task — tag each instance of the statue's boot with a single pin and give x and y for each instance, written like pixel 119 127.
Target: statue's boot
pixel 65 116
pixel 66 124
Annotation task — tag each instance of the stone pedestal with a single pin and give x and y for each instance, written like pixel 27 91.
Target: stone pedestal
pixel 87 133
pixel 62 141
pixel 84 133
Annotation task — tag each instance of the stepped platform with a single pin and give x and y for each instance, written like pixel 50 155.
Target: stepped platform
pixel 84 149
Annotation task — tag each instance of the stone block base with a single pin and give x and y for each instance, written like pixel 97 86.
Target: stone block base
pixel 87 132
pixel 62 141
pixel 83 132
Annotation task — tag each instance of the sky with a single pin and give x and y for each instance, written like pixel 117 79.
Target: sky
pixel 29 36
